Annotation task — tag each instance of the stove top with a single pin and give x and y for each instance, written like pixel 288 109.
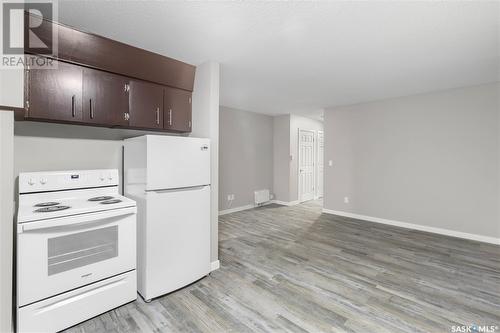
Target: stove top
pixel 51 209
pixel 110 202
pixel 101 198
pixel 47 204
pixel 41 206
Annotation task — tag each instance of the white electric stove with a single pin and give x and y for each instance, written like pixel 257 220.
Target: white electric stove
pixel 76 248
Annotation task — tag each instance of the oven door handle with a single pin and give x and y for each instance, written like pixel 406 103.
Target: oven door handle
pixel 76 220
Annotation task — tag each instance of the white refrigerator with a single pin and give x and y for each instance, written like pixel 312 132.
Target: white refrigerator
pixel 169 177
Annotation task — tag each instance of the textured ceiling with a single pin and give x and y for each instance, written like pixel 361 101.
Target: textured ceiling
pixel 299 57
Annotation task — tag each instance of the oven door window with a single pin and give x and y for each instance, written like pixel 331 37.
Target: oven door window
pixel 81 249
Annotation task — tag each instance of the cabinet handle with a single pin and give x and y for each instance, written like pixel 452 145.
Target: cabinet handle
pixel 157 116
pixel 126 87
pixel 91 110
pixel 170 117
pixel 189 124
pixel 126 116
pixel 73 112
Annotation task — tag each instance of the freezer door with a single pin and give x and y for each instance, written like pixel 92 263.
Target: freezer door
pixel 177 240
pixel 177 162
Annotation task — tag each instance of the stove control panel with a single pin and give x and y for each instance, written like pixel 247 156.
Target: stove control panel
pixel 66 180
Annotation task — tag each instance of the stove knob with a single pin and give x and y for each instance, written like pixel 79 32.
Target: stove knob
pixel 110 177
pixel 43 181
pixel 31 182
pixel 101 177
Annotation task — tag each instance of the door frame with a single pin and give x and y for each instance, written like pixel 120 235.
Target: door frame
pixel 299 197
pixel 316 194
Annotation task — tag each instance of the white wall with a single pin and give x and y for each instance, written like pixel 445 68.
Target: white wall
pixel 40 146
pixel 206 124
pixel 52 154
pixel 430 160
pixel 281 158
pixel 12 78
pixel 11 87
pixel 245 156
pixel 6 218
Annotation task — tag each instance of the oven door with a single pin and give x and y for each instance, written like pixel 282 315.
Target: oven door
pixel 60 254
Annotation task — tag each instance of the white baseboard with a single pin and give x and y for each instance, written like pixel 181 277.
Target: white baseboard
pixel 235 209
pixel 286 203
pixel 239 209
pixel 447 232
pixel 214 265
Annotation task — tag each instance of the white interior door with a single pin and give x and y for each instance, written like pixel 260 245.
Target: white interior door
pixel 320 153
pixel 306 165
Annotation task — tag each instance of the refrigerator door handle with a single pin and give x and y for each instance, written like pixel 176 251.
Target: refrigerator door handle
pixel 190 188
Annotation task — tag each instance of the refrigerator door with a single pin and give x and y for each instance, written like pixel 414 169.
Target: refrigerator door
pixel 177 162
pixel 176 240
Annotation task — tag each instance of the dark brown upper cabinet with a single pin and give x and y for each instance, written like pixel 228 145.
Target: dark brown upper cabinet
pixel 103 82
pixel 55 94
pixel 105 98
pixel 112 56
pixel 177 112
pixel 145 105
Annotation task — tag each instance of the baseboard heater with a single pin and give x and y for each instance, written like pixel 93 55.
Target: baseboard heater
pixel 261 197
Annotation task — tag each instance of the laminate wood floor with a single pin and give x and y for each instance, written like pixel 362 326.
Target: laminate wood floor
pixel 293 269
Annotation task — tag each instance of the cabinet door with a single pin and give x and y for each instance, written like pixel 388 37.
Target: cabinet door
pixel 105 98
pixel 177 110
pixel 146 105
pixel 55 94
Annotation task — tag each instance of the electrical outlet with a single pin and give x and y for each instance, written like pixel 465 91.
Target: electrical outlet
pixel 346 200
pixel 330 163
pixel 232 196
